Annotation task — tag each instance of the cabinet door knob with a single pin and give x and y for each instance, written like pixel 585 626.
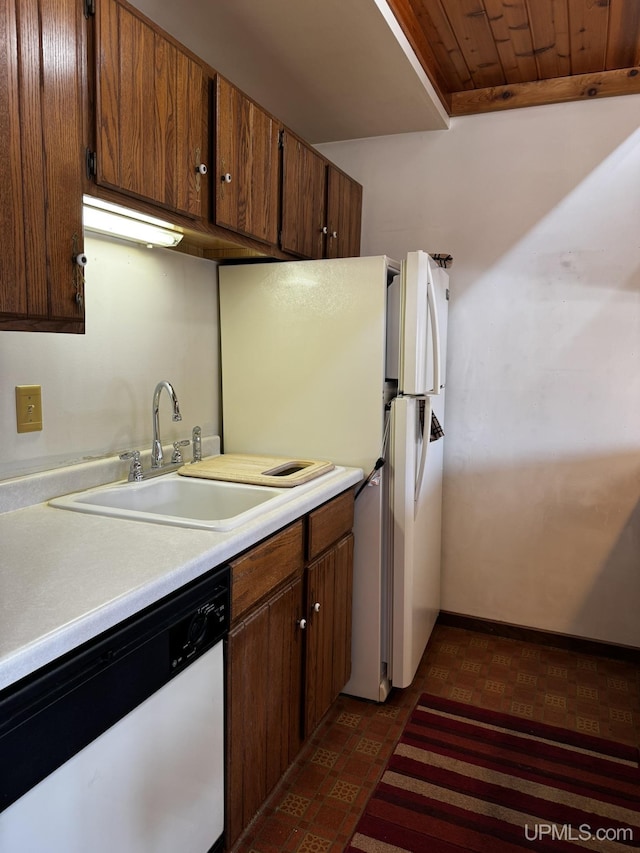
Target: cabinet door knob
pixel 316 607
pixel 226 178
pixel 201 169
pixel 324 229
pixel 334 234
pixel 302 623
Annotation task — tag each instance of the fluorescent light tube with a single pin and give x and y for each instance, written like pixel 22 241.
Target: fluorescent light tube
pixel 102 217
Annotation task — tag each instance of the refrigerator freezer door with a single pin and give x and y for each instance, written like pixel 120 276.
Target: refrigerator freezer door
pixel 420 349
pixel 415 526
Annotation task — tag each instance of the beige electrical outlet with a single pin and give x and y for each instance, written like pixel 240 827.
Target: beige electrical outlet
pixel 29 408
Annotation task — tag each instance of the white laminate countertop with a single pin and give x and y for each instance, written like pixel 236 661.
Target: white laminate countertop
pixel 65 577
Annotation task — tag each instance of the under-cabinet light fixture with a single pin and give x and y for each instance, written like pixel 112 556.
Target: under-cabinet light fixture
pixel 102 217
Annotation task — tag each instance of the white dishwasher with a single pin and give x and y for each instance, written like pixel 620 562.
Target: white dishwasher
pixel 120 745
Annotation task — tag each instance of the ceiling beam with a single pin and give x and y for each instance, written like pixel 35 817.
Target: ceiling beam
pixel 580 87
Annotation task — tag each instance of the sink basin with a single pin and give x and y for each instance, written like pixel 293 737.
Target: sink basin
pixel 177 500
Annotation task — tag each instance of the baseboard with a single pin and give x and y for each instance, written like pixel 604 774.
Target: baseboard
pixel 545 638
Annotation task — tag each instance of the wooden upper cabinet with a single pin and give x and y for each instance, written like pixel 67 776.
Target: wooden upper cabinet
pixel 303 199
pixel 150 100
pixel 13 296
pixel 41 175
pixel 321 206
pixel 247 175
pixel 344 215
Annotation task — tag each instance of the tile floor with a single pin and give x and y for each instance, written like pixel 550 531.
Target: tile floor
pixel 317 804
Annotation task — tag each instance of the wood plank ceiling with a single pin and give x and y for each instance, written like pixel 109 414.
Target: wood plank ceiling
pixel 484 55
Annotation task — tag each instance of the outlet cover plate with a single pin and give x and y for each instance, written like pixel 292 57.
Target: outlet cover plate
pixel 29 408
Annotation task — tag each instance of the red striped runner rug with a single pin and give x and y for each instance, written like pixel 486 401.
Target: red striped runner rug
pixel 468 779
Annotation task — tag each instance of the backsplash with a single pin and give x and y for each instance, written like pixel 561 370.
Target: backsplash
pixel 151 315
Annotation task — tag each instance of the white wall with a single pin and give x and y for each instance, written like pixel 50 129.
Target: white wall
pixel 151 314
pixel 540 209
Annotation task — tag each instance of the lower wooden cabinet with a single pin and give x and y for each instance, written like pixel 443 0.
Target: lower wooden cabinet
pixel 328 656
pixel 288 652
pixel 264 665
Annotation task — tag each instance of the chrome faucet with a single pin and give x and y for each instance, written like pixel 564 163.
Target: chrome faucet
pixel 157 456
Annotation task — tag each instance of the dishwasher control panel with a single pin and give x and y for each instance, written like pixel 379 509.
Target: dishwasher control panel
pixel 200 630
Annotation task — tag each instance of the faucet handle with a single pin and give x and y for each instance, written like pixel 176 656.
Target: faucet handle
pixel 135 469
pixel 196 437
pixel 176 456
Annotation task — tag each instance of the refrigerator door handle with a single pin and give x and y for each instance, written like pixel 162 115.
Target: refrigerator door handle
pixel 426 432
pixel 435 331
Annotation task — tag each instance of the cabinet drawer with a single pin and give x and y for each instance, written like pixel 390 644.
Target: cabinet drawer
pixel 329 523
pixel 262 569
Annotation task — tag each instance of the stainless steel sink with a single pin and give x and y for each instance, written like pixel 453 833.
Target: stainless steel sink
pixel 177 500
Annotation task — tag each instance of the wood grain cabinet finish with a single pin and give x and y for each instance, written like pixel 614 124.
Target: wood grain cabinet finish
pixel 328 632
pixel 328 523
pixel 264 683
pixel 261 570
pixel 247 174
pixel 344 215
pixel 321 206
pixel 303 199
pixel 264 672
pixel 150 100
pixel 41 169
pixel 287 659
pixel 118 85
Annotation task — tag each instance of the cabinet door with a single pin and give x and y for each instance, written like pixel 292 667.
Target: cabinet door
pixel 344 215
pixel 303 199
pixel 247 173
pixel 13 293
pixel 41 176
pixel 264 676
pixel 328 656
pixel 149 108
pixel 62 86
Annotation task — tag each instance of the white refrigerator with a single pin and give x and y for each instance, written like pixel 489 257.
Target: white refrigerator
pixel 344 360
